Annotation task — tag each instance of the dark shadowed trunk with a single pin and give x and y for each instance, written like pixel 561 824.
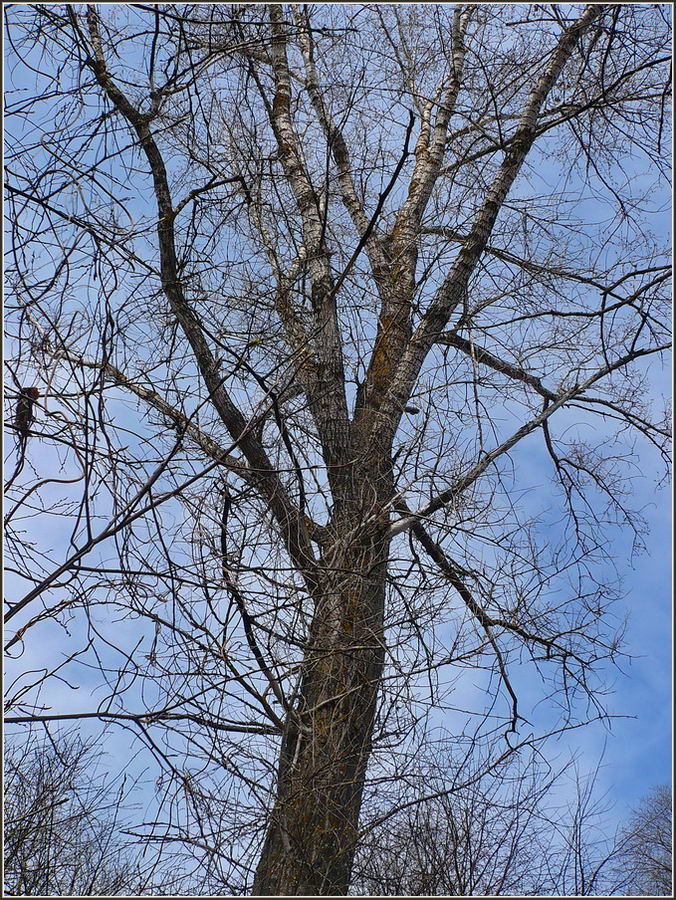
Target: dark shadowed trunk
pixel 312 833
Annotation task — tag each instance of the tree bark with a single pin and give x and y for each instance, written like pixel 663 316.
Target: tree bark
pixel 312 829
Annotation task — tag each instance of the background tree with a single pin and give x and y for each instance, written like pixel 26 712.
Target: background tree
pixel 62 824
pixel 523 833
pixel 646 859
pixel 301 290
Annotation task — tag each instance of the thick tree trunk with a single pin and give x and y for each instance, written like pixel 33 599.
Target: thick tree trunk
pixel 312 830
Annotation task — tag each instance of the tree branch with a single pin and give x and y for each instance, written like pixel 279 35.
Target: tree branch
pixel 473 474
pixel 288 517
pixel 452 291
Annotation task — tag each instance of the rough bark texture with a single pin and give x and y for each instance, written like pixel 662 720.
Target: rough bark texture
pixel 312 834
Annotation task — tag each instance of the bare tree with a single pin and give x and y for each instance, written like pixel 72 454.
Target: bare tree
pixel 299 291
pixel 519 834
pixel 523 833
pixel 646 858
pixel 62 824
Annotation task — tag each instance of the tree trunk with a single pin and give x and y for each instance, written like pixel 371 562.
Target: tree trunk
pixel 312 830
